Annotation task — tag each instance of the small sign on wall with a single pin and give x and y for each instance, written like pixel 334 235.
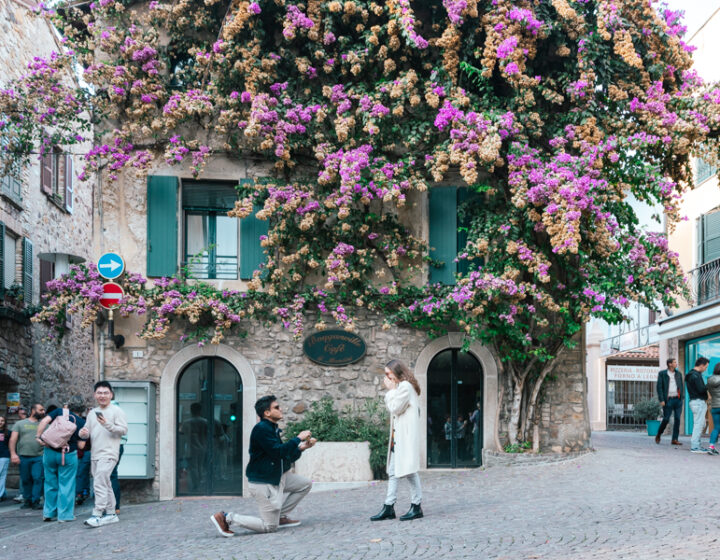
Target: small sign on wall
pixel 334 347
pixel 13 401
pixel 632 373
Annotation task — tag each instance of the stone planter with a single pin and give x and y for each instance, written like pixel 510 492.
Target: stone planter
pixel 346 461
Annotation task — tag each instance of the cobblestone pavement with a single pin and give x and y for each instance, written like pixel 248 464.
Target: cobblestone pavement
pixel 630 499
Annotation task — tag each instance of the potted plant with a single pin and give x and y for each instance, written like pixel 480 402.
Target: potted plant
pixel 648 410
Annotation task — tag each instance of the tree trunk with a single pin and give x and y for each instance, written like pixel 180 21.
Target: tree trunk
pixel 532 401
pixel 514 420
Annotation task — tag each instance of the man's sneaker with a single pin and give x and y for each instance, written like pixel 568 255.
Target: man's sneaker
pixel 26 505
pixel 108 519
pixel 66 520
pixel 48 519
pixel 19 498
pixel 713 451
pixel 221 524
pixel 93 521
pixel 699 450
pixel 287 522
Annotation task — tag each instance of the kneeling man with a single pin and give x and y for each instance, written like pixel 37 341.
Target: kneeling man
pixel 276 490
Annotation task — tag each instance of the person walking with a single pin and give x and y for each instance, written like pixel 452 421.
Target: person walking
pixel 105 425
pixel 403 459
pixel 713 387
pixel 26 451
pixel 276 490
pixel 4 456
pixel 697 395
pixel 61 464
pixel 670 393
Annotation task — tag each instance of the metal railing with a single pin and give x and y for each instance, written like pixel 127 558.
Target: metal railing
pixel 704 282
pixel 222 267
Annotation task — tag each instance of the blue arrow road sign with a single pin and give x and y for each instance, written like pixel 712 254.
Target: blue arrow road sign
pixel 110 265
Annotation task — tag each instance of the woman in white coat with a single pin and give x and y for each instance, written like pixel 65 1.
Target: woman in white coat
pixel 402 400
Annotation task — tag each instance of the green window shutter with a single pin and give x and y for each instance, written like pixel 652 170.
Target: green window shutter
pixel 711 237
pixel 27 271
pixel 443 233
pixel 162 225
pixel 251 253
pixel 2 259
pixel 462 235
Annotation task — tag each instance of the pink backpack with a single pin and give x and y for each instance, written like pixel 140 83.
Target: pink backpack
pixel 57 435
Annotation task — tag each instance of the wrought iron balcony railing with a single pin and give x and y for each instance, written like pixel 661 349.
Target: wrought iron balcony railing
pixel 704 282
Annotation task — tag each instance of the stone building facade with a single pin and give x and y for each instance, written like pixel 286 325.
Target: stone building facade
pixel 267 360
pixel 45 225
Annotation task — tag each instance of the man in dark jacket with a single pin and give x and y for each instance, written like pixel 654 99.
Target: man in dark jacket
pixel 276 490
pixel 670 394
pixel 697 397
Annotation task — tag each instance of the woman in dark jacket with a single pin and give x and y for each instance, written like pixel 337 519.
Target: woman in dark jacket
pixel 713 387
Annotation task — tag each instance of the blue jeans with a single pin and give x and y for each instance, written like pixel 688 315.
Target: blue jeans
pixel 699 408
pixel 31 476
pixel 716 425
pixel 82 484
pixel 672 405
pixel 59 484
pixel 4 464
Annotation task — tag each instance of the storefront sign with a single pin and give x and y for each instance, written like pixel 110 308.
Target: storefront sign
pixel 632 373
pixel 334 347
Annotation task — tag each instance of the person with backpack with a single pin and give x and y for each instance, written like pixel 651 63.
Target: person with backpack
pixel 59 432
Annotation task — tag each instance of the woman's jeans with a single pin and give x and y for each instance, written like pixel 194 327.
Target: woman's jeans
pixel 413 479
pixel 59 484
pixel 699 408
pixel 4 464
pixel 716 425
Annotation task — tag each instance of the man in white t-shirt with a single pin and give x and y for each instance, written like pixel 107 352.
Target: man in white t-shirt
pixel 105 425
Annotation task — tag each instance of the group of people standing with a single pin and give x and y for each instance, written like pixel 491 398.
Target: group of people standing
pixel 670 391
pixel 277 490
pixel 46 447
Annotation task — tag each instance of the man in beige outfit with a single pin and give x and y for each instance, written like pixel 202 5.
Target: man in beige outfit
pixel 105 426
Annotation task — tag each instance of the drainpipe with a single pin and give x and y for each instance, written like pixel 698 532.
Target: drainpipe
pixel 101 355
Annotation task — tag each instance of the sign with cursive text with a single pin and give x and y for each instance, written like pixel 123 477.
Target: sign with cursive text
pixel 334 347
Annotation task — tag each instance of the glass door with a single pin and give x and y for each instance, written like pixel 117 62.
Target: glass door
pixel 209 430
pixel 455 414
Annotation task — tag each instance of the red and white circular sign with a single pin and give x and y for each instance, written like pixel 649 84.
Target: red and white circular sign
pixel 112 294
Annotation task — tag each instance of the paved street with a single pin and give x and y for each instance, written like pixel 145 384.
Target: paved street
pixel 631 499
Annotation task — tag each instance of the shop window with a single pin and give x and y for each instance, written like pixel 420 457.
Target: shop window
pixel 215 246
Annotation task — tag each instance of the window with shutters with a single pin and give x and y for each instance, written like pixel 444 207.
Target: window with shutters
pixel 709 237
pixel 448 234
pixel 57 178
pixel 11 187
pixel 213 245
pixel 15 265
pixel 211 237
pixel 703 171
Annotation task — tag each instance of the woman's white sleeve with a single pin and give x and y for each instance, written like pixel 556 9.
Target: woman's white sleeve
pixel 397 400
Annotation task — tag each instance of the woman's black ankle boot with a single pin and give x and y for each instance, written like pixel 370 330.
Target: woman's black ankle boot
pixel 415 512
pixel 387 512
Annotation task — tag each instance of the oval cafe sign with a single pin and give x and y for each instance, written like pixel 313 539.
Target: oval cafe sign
pixel 334 347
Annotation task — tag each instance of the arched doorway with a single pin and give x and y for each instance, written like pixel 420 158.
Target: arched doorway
pixel 454 410
pixel 209 408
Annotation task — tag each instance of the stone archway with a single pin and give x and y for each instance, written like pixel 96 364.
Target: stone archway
pixel 167 407
pixel 489 368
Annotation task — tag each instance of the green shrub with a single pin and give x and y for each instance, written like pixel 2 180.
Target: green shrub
pixel 648 409
pixel 370 424
pixel 521 447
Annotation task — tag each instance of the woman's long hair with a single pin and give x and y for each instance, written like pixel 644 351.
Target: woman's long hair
pixel 403 373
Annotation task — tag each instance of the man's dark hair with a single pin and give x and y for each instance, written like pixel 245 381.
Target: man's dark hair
pixel 670 361
pixel 263 405
pixel 34 408
pixel 701 361
pixel 105 384
pixel 196 409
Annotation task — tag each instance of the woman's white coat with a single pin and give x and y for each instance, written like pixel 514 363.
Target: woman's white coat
pixel 404 406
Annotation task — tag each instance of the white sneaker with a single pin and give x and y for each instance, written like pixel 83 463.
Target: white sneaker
pixel 109 518
pixel 19 498
pixel 93 521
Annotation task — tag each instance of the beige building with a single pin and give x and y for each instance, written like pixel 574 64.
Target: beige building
pixel 45 225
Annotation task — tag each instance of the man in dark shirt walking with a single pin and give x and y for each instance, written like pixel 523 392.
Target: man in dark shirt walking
pixel 276 490
pixel 670 394
pixel 697 395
